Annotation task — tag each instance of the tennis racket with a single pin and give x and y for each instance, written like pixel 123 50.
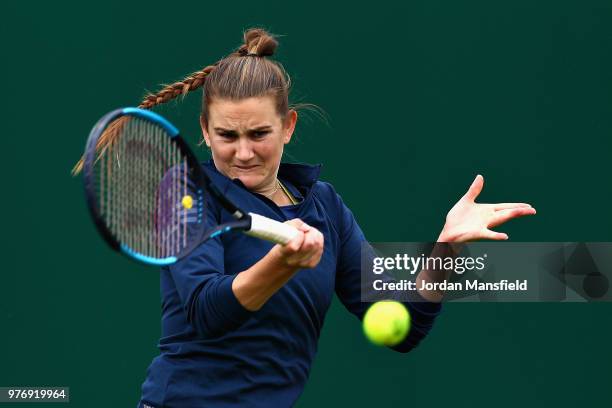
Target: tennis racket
pixel 147 193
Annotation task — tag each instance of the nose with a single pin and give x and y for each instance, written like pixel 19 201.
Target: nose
pixel 244 152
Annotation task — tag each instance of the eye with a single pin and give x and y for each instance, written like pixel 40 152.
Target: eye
pixel 260 133
pixel 227 135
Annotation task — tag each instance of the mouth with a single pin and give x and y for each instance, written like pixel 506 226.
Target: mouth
pixel 245 168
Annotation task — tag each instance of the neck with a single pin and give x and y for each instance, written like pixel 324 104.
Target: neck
pixel 275 193
pixel 270 190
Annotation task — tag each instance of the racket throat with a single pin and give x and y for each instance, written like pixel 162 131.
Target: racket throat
pixel 240 225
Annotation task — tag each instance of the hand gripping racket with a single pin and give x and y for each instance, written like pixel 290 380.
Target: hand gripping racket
pixel 147 193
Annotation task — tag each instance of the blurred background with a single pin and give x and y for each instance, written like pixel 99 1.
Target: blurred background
pixel 419 98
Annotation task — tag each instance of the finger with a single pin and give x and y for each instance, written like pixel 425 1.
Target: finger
pixel 296 222
pixel 503 216
pixel 315 241
pixel 316 244
pixel 316 257
pixel 305 227
pixel 294 245
pixel 475 188
pixel 314 261
pixel 496 236
pixel 506 206
pixel 309 244
pixel 311 259
pixel 301 259
pixel 321 239
pixel 312 249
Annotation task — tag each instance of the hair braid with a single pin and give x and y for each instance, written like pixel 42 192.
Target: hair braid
pixel 190 83
pixel 235 77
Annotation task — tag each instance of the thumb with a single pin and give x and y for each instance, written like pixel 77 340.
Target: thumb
pixel 475 188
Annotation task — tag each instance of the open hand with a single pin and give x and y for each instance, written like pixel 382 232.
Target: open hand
pixel 470 221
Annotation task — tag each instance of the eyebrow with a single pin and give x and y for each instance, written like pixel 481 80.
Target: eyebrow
pixel 256 129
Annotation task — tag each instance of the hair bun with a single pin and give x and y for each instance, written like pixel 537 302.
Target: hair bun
pixel 258 42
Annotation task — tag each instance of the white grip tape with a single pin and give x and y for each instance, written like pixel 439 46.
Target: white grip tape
pixel 271 230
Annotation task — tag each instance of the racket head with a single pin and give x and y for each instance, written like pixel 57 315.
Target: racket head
pixel 146 192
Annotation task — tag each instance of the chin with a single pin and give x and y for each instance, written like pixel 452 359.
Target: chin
pixel 250 181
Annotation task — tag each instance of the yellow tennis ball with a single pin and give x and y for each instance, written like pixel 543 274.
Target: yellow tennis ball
pixel 386 323
pixel 187 202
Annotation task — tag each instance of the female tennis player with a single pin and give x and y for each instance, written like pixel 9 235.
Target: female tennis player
pixel 241 317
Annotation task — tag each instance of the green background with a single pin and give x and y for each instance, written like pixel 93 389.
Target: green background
pixel 420 97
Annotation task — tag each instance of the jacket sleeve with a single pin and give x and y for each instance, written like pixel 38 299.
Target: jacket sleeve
pixel 206 291
pixel 349 281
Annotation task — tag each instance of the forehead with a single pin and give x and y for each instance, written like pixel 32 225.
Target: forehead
pixel 245 113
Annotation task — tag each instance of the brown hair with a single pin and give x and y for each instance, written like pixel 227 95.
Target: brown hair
pixel 243 74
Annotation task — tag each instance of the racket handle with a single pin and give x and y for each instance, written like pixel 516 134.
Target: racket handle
pixel 271 230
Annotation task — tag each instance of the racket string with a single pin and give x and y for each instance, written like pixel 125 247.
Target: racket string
pixel 142 181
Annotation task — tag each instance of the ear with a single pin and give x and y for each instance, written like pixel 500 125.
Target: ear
pixel 289 125
pixel 204 127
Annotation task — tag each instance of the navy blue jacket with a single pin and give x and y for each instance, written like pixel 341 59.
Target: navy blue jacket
pixel 214 352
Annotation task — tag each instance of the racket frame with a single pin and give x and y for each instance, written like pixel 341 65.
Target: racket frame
pixel 251 224
pixel 197 175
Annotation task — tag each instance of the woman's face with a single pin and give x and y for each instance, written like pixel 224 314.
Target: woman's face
pixel 246 138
